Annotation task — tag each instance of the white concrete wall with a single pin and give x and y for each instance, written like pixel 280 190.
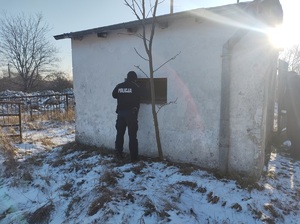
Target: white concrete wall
pixel 253 65
pixel 190 128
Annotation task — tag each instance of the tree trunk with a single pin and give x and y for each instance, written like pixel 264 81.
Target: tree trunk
pixel 148 48
pixel 154 113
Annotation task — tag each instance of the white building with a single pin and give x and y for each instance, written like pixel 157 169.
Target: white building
pixel 222 81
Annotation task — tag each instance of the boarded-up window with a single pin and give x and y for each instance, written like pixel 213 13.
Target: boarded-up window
pixel 160 85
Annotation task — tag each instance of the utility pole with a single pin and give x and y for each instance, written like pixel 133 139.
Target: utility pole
pixel 171 6
pixel 8 70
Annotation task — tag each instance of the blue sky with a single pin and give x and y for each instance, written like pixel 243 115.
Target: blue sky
pixel 64 16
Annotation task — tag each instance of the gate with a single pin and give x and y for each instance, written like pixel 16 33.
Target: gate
pixel 11 117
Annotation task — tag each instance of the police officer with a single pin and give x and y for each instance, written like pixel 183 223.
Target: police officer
pixel 128 98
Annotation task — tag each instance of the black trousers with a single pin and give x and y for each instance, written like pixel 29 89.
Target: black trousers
pixel 127 119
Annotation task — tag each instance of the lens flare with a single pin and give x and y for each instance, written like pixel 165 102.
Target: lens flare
pixel 277 36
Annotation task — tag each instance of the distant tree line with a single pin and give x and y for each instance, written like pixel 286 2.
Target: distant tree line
pixel 57 82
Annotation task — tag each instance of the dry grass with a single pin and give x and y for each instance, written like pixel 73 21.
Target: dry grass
pixel 9 120
pixel 85 150
pixel 47 142
pixel 63 116
pixel 190 184
pixel 41 215
pixel 59 115
pixel 7 149
pixel 72 205
pixel 35 121
pixel 35 125
pixel 100 202
pixel 109 178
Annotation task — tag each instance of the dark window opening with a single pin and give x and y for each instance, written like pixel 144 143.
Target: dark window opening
pixel 160 85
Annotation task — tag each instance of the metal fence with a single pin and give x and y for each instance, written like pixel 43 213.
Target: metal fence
pixel 13 107
pixel 37 104
pixel 11 117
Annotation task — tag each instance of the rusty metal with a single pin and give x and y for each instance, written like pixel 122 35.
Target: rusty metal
pixel 9 109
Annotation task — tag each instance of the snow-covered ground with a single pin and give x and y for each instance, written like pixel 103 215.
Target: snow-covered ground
pixel 58 181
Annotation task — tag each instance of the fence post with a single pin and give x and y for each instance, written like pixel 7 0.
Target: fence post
pixel 67 103
pixel 20 121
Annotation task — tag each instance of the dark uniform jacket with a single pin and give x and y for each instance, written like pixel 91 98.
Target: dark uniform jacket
pixel 128 96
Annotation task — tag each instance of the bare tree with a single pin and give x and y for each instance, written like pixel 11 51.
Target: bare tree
pixel 140 11
pixel 25 48
pixel 292 57
pixel 148 21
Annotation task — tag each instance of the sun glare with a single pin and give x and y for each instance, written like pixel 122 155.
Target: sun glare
pixel 277 36
pixel 285 35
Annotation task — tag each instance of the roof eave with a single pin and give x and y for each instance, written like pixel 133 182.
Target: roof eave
pixel 162 19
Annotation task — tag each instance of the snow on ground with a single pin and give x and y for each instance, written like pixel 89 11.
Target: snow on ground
pixel 58 181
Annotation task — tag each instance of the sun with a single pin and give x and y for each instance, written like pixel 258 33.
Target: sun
pixel 287 34
pixel 277 36
pixel 283 36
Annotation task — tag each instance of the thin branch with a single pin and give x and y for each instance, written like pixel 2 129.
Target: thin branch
pixel 152 7
pixel 132 7
pixel 292 57
pixel 138 67
pixel 173 58
pixel 140 55
pixel 171 102
pixel 134 2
